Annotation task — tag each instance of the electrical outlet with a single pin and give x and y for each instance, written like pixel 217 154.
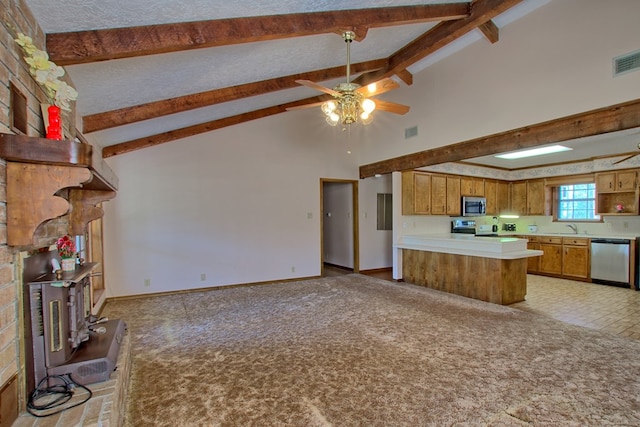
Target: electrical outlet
pixel 147 282
pixel 293 269
pixel 625 225
pixel 203 277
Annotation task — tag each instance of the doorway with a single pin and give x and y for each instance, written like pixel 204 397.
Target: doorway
pixel 339 247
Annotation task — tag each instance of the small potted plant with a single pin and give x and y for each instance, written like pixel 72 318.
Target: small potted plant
pixel 67 251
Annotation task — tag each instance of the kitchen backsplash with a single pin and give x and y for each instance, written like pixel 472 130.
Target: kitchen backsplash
pixel 437 224
pixel 611 225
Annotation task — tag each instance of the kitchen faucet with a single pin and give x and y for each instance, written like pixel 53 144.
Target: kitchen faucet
pixel 573 227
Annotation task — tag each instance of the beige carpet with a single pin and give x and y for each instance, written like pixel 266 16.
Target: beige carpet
pixel 359 351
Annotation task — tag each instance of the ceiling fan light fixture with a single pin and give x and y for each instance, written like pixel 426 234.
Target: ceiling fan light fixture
pixel 329 107
pixel 366 118
pixel 368 106
pixel 333 119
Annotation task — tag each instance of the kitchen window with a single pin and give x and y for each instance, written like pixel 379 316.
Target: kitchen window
pixel 577 202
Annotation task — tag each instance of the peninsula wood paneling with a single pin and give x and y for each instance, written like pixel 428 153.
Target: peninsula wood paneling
pixel 502 281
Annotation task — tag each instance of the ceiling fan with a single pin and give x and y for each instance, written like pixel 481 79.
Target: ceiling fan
pixel 351 101
pixel 628 157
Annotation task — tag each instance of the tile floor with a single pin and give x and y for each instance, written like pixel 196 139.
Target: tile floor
pixel 607 308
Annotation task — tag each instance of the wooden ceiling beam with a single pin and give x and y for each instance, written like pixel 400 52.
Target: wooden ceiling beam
pixel 482 11
pixel 150 141
pixel 603 120
pixel 83 47
pixel 123 116
pixel 490 31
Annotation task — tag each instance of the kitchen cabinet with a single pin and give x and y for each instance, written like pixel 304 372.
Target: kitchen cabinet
pixel 519 197
pixel 490 187
pixel 551 260
pixel 425 193
pixel 535 197
pixel 575 257
pixel 470 186
pixel 453 196
pixel 617 189
pixel 616 181
pixel 502 196
pixel 416 193
pixel 533 263
pixel 438 194
pixel 528 197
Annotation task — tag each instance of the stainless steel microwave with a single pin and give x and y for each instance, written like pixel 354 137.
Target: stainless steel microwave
pixel 474 206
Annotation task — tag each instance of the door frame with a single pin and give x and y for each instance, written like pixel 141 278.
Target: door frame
pixel 354 218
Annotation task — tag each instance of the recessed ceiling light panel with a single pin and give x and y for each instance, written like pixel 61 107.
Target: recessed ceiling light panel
pixel 533 152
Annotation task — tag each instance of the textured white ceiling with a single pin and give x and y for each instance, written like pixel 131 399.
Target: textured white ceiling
pixel 55 16
pixel 109 85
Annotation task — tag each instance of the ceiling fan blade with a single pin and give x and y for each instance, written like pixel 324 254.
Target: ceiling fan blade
pixel 391 107
pixel 376 88
pixel 316 86
pixel 626 158
pixel 302 107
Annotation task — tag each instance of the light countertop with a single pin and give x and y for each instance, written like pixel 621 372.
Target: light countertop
pixel 502 247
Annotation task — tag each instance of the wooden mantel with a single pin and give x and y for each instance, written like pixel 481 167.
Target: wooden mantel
pixel 37 169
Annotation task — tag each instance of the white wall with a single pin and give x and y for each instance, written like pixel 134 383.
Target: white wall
pixel 370 237
pixel 231 204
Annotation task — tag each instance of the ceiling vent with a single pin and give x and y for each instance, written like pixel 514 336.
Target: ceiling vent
pixel 410 132
pixel 626 63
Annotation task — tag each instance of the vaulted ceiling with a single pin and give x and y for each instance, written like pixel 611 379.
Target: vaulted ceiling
pixel 151 72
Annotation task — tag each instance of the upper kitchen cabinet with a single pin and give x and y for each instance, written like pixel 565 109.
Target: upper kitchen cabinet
pixel 438 194
pixel 454 204
pixel 616 181
pixel 470 186
pixel 528 197
pixel 502 197
pixel 617 192
pixel 519 197
pixel 416 193
pixel 536 197
pixel 490 193
pixel 425 193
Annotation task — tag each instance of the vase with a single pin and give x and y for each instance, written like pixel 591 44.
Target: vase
pixel 68 264
pixel 54 128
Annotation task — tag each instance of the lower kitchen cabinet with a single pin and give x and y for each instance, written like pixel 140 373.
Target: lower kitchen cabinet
pixel 567 257
pixel 575 258
pixel 551 259
pixel 533 263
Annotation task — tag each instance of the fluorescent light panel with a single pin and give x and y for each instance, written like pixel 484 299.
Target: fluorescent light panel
pixel 533 152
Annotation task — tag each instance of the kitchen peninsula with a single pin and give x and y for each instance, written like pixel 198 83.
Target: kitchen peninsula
pixel 492 269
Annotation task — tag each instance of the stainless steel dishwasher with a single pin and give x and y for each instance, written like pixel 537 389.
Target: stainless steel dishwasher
pixel 610 261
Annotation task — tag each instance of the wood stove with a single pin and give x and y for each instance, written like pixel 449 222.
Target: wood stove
pixel 61 335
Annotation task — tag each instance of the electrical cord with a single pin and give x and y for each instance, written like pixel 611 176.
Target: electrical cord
pixel 56 395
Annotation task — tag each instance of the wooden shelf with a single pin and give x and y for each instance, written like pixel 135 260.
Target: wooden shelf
pixel 27 149
pixel 37 169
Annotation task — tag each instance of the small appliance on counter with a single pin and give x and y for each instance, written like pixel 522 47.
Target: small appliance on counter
pixel 509 227
pixel 487 231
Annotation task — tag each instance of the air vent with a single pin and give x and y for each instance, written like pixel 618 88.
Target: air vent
pixel 626 63
pixel 93 368
pixel 410 132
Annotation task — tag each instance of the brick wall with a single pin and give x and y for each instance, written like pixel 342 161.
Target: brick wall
pixel 16 17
